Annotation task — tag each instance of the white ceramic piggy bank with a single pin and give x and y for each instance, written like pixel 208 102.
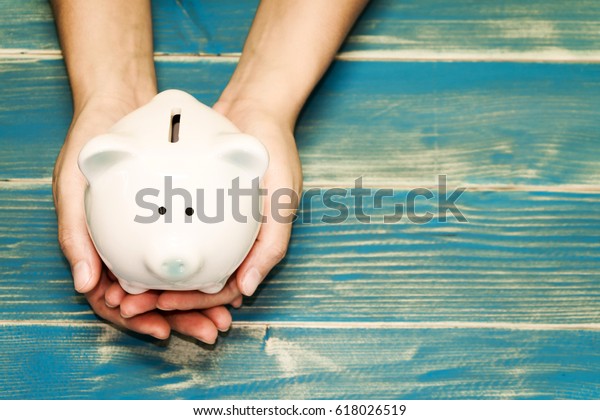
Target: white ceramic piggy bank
pixel 173 199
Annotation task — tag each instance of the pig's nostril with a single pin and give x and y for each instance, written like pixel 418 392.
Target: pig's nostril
pixel 174 268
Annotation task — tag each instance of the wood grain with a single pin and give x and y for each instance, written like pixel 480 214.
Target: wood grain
pixel 506 305
pixel 261 362
pixel 523 257
pixel 406 29
pixel 478 123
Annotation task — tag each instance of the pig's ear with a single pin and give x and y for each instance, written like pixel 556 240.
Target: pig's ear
pixel 102 152
pixel 244 151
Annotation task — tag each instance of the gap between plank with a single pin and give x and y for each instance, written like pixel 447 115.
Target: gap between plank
pixel 8 183
pixel 551 55
pixel 521 326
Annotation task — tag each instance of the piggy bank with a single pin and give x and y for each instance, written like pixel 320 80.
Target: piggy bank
pixel 173 200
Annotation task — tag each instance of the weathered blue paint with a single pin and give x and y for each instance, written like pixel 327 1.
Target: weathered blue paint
pixel 281 363
pixel 217 27
pixel 526 267
pixel 522 257
pixel 481 123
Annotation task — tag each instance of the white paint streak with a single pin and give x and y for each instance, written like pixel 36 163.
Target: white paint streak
pixel 548 54
pixel 190 357
pixel 29 54
pixel 260 326
pixel 524 29
pixel 525 326
pixel 293 359
pixel 391 183
pixel 380 39
pixel 36 181
pixel 105 349
pixel 195 58
pixel 185 354
pixel 9 183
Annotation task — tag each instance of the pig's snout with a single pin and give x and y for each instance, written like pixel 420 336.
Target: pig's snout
pixel 175 268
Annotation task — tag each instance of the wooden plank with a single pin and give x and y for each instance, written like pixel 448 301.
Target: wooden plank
pixel 31 261
pixel 549 29
pixel 98 362
pixel 207 27
pixel 523 257
pixel 488 29
pixel 393 123
pixel 35 111
pixel 479 123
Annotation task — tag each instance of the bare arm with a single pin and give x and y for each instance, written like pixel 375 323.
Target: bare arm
pixel 107 46
pixel 290 46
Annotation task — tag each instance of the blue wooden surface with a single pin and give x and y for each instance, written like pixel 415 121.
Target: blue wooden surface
pixel 98 362
pixel 522 257
pixel 417 28
pixel 504 306
pixel 478 123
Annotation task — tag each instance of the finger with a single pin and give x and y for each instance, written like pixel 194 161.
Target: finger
pixel 73 237
pixel 269 248
pixel 151 323
pixel 220 317
pixel 133 305
pixel 79 250
pixel 193 324
pixel 114 295
pixel 187 300
pixel 237 302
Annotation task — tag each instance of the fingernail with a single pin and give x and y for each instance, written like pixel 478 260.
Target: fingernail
pixel 81 275
pixel 251 281
pixel 110 305
pixel 206 341
pixel 163 307
pixel 159 336
pixel 125 315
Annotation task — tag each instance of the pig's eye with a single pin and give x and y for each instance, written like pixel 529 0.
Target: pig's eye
pixel 162 210
pixel 189 211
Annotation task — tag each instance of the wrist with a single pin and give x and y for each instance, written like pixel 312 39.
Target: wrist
pixel 121 100
pixel 271 85
pixel 279 103
pixel 247 111
pixel 130 84
pixel 116 103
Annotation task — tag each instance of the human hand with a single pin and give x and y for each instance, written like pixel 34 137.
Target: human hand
pixel 284 172
pixel 106 297
pixel 288 48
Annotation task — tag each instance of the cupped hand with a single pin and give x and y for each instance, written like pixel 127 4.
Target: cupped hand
pixel 283 184
pixel 284 174
pixel 135 312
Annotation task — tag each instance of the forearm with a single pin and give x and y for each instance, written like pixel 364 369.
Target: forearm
pixel 107 46
pixel 289 47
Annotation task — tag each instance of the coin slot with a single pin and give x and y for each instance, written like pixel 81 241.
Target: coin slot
pixel 175 124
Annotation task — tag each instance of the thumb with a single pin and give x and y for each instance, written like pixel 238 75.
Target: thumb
pixel 76 243
pixel 268 250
